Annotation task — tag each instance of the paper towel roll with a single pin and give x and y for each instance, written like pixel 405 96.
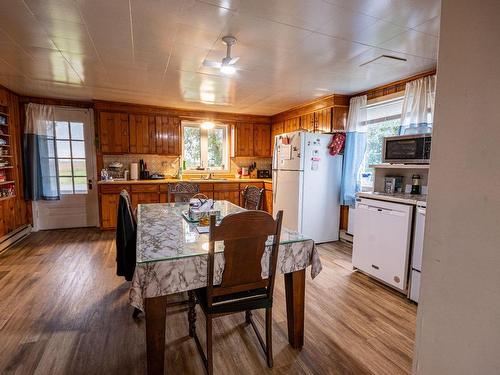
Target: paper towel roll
pixel 134 171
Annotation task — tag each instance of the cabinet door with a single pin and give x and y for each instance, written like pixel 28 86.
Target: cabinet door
pixel 243 139
pixel 307 122
pixel 168 135
pixel 113 132
pixel 232 196
pixel 291 125
pixel 144 198
pixel 276 128
pixel 268 201
pixel 109 210
pixel 262 140
pixel 323 120
pixel 142 134
pixel 340 118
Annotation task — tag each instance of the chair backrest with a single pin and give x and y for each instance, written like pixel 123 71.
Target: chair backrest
pixel 244 235
pixel 252 197
pixel 182 191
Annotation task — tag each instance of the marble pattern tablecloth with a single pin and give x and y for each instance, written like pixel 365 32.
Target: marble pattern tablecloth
pixel 172 255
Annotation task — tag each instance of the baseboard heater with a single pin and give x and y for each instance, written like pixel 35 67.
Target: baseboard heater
pixel 14 236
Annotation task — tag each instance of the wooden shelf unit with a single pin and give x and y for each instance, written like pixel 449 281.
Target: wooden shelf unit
pixel 7 171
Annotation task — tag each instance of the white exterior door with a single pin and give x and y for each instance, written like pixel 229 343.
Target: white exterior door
pixel 75 160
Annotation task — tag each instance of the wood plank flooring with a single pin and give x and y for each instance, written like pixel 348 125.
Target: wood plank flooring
pixel 63 311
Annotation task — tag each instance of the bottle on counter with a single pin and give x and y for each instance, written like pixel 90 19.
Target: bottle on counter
pixel 415 184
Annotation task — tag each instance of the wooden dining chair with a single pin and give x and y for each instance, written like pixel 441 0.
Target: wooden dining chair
pixel 242 288
pixel 182 191
pixel 252 197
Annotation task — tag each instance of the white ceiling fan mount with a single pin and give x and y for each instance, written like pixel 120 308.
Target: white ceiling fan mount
pixel 226 65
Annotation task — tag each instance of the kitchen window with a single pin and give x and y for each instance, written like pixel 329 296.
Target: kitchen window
pixel 205 146
pixel 383 119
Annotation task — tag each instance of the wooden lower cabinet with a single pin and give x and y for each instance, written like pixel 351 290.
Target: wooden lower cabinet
pixel 109 210
pixel 109 196
pixel 232 196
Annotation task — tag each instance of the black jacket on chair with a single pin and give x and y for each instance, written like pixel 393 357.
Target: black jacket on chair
pixel 125 238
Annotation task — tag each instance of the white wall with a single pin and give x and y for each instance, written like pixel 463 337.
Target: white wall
pixel 458 329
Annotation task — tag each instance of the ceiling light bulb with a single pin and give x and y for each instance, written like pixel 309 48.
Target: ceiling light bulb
pixel 227 69
pixel 207 125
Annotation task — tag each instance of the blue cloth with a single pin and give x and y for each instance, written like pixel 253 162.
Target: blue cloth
pixel 40 171
pixel 354 152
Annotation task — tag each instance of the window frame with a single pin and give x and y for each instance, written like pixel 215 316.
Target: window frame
pixel 56 158
pixel 372 103
pixel 204 147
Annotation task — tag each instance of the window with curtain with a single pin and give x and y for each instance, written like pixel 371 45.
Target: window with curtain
pixel 383 119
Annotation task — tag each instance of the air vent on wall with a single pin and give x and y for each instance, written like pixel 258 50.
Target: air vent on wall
pixel 386 60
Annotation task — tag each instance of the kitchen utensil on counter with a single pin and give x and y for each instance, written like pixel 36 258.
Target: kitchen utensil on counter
pixel 126 174
pixel 157 176
pixel 244 171
pixel 415 184
pixel 134 171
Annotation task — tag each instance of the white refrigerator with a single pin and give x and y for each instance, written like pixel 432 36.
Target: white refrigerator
pixel 306 184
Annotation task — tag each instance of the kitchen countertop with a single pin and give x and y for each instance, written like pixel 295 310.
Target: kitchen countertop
pixel 194 181
pixel 396 197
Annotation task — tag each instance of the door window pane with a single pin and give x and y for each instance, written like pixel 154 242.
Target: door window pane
pixel 64 166
pixel 66 185
pixel 80 185
pixel 63 149
pixel 70 157
pixel 78 149
pixel 76 131
pixel 79 167
pixel 62 130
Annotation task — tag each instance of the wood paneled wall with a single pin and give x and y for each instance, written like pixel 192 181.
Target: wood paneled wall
pixel 14 212
pixel 393 87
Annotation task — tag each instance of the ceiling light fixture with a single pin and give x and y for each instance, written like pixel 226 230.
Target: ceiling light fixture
pixel 207 125
pixel 227 69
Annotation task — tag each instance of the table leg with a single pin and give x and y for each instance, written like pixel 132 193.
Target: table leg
pixel 295 287
pixel 156 312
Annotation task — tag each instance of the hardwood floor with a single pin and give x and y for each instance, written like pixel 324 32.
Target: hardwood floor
pixel 63 311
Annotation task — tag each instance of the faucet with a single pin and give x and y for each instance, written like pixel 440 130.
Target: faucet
pixel 208 176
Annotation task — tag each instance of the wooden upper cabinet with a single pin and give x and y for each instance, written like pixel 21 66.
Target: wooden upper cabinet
pixel 113 132
pixel 340 118
pixel 262 140
pixel 291 125
pixel 142 134
pixel 243 139
pixel 323 120
pixel 168 135
pixel 276 129
pixel 308 122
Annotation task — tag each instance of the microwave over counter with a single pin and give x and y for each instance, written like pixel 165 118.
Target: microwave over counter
pixel 407 149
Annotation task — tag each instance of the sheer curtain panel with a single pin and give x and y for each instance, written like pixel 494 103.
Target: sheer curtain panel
pixel 418 106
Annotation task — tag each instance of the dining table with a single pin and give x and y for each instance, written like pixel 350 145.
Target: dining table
pixel 171 257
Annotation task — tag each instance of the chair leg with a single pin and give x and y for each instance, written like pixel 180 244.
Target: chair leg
pixel 210 364
pixel 192 314
pixel 248 316
pixel 269 337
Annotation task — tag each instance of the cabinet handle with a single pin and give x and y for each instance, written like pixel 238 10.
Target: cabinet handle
pixel 374 266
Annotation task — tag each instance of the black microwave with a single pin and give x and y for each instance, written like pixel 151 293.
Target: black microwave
pixel 407 149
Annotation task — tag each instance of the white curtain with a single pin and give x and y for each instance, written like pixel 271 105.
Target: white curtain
pixel 418 106
pixel 354 150
pixel 40 169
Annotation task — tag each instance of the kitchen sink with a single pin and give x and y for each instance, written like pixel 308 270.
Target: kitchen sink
pixel 206 179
